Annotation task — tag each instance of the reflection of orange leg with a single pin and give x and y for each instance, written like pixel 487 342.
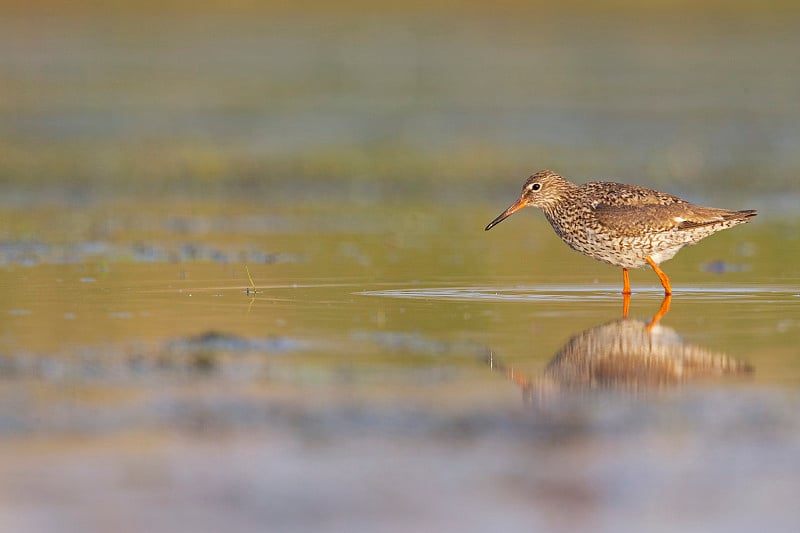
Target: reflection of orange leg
pixel 661 312
pixel 626 304
pixel 626 283
pixel 663 277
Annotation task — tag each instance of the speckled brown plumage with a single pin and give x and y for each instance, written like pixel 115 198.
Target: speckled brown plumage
pixel 624 225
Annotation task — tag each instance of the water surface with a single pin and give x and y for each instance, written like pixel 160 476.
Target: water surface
pixel 414 364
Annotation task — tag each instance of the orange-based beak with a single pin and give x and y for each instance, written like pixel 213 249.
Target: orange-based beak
pixel 513 208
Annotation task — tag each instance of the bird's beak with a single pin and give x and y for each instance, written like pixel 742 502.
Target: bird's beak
pixel 513 208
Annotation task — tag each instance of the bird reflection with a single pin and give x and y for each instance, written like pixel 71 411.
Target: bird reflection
pixel 626 354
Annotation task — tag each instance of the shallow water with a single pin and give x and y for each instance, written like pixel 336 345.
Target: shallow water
pixel 420 373
pixel 245 284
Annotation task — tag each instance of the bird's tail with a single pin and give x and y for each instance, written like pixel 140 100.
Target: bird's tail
pixel 711 216
pixel 743 215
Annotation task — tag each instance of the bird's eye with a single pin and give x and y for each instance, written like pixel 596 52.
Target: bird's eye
pixel 536 186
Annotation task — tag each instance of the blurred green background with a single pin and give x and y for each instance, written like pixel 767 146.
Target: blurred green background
pixel 362 99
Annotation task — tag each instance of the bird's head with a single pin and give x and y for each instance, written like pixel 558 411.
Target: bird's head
pixel 543 190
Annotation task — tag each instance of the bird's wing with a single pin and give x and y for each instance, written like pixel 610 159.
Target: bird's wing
pixel 623 194
pixel 633 220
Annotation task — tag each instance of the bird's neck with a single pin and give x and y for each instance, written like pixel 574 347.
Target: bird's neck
pixel 560 203
pixel 554 215
pixel 558 214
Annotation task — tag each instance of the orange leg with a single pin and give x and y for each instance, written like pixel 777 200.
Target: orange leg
pixel 626 304
pixel 663 277
pixel 626 283
pixel 661 312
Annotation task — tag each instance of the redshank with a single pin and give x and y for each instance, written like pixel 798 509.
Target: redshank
pixel 623 225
